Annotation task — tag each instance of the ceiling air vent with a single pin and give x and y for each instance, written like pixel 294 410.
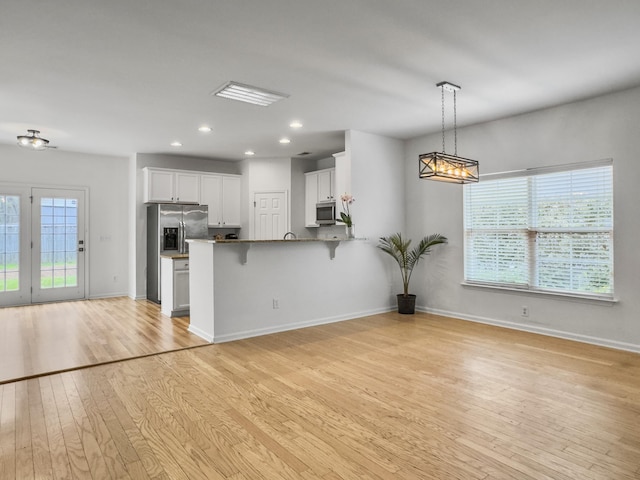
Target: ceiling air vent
pixel 248 94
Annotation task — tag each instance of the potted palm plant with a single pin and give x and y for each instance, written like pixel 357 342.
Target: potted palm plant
pixel 407 259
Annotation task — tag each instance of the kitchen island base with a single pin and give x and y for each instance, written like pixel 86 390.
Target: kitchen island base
pixel 284 285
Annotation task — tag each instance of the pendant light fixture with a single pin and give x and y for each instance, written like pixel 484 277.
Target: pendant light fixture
pixel 32 140
pixel 442 166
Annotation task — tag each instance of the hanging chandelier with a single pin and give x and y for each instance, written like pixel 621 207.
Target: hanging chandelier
pixel 32 140
pixel 442 166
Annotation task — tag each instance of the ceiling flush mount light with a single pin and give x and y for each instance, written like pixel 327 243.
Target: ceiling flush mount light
pixel 284 141
pixel 176 144
pixel 32 140
pixel 295 124
pixel 249 153
pixel 442 166
pixel 204 129
pixel 248 94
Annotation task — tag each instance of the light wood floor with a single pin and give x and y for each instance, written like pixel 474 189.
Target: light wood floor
pixel 382 397
pixel 53 337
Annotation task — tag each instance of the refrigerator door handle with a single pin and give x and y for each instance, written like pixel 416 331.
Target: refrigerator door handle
pixel 180 237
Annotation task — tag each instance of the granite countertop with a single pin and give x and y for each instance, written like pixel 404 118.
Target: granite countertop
pixel 174 255
pixel 297 240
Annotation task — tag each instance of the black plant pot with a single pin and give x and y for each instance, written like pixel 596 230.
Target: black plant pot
pixel 406 305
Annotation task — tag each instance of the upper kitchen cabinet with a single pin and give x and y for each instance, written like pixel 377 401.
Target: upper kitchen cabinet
pixel 326 185
pixel 319 187
pixel 310 199
pixel 222 194
pixel 171 186
pixel 342 180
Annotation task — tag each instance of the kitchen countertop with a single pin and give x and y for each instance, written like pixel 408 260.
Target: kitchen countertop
pixel 296 240
pixel 174 255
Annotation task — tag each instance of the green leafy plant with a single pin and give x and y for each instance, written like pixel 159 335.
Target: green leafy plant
pixel 407 258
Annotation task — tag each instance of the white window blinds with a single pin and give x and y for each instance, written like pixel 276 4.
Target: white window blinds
pixel 544 229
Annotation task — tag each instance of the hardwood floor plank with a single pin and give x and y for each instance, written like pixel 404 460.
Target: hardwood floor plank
pixel 78 460
pixel 24 450
pixel 90 420
pixel 56 337
pixel 39 440
pixel 8 432
pixel 57 449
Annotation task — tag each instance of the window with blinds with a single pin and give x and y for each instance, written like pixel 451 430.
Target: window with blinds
pixel 543 229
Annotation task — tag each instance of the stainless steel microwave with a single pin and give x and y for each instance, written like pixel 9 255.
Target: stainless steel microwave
pixel 326 213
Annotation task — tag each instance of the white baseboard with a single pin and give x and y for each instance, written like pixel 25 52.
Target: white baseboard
pixel 293 326
pixel 603 342
pixel 200 333
pixel 106 295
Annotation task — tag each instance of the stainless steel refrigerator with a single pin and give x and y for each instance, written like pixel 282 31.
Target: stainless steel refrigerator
pixel 168 226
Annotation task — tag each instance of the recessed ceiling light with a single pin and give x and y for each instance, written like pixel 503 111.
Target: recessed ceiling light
pixel 204 129
pixel 248 94
pixel 249 153
pixel 176 144
pixel 285 140
pixel 295 124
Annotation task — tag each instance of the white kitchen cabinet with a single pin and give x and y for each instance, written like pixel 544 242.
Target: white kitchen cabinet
pixel 170 186
pixel 326 185
pixel 319 187
pixel 187 187
pixel 222 193
pixel 231 197
pixel 158 185
pixel 175 286
pixel 342 177
pixel 310 199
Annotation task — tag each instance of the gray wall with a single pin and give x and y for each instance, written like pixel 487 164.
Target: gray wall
pixel 603 127
pixel 106 179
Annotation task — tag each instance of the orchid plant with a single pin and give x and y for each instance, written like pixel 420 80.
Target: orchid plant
pixel 345 215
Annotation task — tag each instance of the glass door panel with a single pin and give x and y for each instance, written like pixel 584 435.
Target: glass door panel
pixel 9 243
pixel 14 246
pixel 58 246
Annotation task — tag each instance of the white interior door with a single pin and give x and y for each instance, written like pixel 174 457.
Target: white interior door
pixel 15 243
pixel 58 239
pixel 270 215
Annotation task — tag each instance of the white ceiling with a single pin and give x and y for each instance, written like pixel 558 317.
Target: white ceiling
pixel 125 76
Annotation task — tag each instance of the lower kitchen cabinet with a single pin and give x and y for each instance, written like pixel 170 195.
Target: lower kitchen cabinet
pixel 174 286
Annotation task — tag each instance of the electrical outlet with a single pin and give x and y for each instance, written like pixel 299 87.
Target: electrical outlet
pixel 525 311
pixel 276 303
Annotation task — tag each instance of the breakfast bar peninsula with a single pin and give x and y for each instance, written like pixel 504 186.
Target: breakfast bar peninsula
pixel 246 288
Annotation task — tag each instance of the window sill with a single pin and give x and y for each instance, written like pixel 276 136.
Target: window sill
pixel 559 295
